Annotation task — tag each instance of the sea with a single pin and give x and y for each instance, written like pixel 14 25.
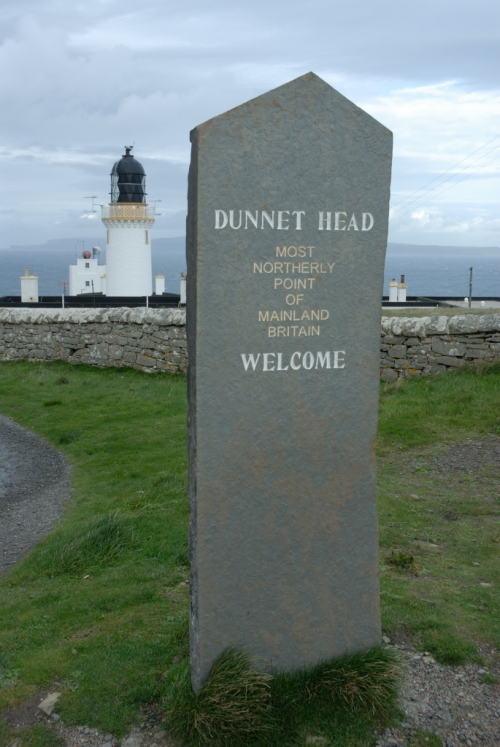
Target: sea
pixel 50 263
pixel 428 270
pixel 444 270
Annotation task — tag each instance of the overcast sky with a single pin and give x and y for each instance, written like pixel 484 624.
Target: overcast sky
pixel 81 79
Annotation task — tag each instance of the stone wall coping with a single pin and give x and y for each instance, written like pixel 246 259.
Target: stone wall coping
pixel 143 315
pixel 425 326
pixel 421 327
pixel 398 326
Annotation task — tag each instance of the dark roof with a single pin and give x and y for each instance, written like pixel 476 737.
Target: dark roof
pixel 128 180
pixel 127 165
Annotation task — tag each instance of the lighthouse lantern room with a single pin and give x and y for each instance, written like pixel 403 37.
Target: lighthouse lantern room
pixel 128 221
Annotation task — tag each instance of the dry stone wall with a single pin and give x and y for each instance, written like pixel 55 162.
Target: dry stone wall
pixel 155 339
pixel 427 345
pixel 147 339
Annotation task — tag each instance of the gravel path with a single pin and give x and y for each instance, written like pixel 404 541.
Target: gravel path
pixel 470 457
pixel 34 487
pixel 453 703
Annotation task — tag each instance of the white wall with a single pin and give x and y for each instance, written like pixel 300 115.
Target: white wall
pixel 29 289
pixel 183 289
pixel 81 276
pixel 128 259
pixel 159 285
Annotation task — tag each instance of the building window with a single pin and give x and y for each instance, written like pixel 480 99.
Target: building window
pixel 87 282
pixel 87 264
pixel 147 237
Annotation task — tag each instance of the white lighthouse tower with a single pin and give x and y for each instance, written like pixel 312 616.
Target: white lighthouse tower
pixel 128 221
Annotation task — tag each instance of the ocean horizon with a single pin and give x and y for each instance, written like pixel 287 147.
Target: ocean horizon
pixel 428 270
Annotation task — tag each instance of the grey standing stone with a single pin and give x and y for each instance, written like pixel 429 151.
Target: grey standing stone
pixel 283 529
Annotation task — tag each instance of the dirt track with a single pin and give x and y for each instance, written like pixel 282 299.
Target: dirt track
pixel 34 487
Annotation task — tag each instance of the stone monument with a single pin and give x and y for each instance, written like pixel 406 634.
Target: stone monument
pixel 287 230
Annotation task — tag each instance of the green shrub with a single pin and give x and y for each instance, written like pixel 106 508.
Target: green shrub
pixel 402 561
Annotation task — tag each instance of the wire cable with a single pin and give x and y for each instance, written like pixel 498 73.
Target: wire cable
pixel 445 172
pixel 451 177
pixel 398 217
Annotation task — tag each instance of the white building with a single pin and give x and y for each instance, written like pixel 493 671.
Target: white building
pixel 86 276
pixel 402 287
pixel 159 285
pixel 128 221
pixel 393 290
pixel 183 289
pixel 29 287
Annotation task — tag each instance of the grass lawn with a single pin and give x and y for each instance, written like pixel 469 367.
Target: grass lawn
pixel 125 435
pixel 109 582
pixel 439 508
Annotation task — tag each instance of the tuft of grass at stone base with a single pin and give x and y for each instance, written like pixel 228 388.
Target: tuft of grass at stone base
pixel 233 706
pixel 341 701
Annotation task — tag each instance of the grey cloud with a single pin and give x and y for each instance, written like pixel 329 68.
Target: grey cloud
pixel 81 80
pixel 404 40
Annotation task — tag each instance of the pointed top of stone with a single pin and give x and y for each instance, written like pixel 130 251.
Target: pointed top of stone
pixel 300 95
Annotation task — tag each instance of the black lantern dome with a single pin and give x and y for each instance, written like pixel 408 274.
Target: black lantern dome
pixel 128 180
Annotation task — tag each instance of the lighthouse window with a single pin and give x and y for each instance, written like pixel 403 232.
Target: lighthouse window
pixel 87 282
pixel 87 264
pixel 147 237
pixel 107 237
